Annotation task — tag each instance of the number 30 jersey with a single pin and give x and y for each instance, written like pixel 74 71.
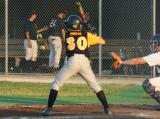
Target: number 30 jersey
pixel 78 42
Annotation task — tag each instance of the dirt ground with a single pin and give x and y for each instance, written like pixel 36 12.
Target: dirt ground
pixel 81 112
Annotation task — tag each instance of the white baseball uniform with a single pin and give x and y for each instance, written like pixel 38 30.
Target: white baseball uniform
pixel 152 60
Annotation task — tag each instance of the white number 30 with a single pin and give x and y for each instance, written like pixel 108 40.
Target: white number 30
pixel 81 43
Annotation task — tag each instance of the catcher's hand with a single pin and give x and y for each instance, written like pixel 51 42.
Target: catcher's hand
pixel 116 64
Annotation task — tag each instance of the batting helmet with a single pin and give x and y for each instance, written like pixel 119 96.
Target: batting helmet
pixel 73 22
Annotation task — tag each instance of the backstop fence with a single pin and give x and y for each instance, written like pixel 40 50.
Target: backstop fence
pixel 127 26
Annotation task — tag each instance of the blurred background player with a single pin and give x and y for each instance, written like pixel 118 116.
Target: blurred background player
pixel 152 85
pixel 56 34
pixel 77 44
pixel 30 42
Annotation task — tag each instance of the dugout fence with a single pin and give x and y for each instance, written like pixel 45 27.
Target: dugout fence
pixel 127 26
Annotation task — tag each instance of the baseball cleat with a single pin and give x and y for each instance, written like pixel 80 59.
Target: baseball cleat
pixel 108 111
pixel 47 111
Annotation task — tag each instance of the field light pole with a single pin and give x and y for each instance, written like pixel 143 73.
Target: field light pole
pixel 154 30
pixel 6 37
pixel 100 34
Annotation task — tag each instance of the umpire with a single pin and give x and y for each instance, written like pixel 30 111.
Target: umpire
pixel 56 34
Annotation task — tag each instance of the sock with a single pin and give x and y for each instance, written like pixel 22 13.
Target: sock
pixel 102 99
pixel 52 97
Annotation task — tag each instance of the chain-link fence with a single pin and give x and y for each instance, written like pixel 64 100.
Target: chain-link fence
pixel 2 41
pixel 126 24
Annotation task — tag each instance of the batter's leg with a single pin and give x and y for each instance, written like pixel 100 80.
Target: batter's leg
pixel 51 99
pixel 68 70
pixel 89 77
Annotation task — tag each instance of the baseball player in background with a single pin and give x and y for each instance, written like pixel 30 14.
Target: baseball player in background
pixel 30 42
pixel 77 43
pixel 151 85
pixel 56 34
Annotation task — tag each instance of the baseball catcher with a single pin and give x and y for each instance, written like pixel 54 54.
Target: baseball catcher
pixel 152 85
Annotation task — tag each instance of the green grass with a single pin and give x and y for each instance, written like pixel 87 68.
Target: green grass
pixel 41 89
pixel 37 93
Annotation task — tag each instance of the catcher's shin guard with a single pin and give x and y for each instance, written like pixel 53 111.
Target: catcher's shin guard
pixel 148 88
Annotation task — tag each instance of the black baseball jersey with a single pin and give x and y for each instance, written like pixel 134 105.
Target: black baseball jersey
pixel 76 43
pixel 31 27
pixel 55 27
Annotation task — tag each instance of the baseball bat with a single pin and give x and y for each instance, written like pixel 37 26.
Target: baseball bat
pixel 85 18
pixel 81 12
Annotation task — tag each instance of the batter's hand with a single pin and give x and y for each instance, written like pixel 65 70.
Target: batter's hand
pixel 117 63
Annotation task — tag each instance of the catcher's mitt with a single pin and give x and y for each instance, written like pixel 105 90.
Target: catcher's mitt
pixel 116 65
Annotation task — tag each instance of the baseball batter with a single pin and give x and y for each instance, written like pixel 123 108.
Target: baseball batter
pixel 30 42
pixel 77 44
pixel 56 33
pixel 152 85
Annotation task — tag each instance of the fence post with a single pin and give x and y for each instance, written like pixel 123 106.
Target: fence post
pixel 6 37
pixel 154 30
pixel 100 34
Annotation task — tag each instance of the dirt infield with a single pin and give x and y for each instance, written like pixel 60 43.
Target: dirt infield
pixel 81 112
